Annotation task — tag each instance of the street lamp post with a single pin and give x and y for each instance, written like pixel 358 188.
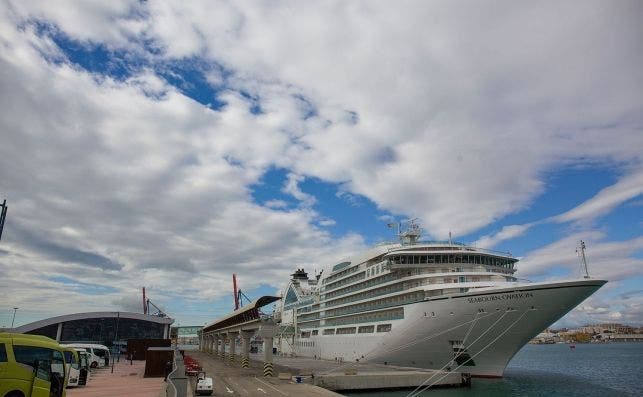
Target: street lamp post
pixel 118 318
pixel 14 317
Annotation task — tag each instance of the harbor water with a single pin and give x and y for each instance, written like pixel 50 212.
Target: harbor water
pixel 610 369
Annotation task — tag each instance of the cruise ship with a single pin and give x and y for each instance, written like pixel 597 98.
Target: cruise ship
pixel 440 305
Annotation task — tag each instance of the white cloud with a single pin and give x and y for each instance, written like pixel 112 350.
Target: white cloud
pixel 607 307
pixel 627 188
pixel 434 110
pixel 506 233
pixel 327 222
pixel 112 186
pixel 115 22
pixel 277 204
pixel 447 112
pixel 292 187
pixel 609 260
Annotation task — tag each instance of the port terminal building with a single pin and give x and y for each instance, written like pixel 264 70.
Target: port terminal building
pixel 106 328
pixel 186 337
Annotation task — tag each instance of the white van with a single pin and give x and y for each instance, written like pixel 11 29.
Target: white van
pixel 73 366
pixel 99 354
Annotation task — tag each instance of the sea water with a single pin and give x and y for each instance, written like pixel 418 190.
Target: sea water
pixel 599 370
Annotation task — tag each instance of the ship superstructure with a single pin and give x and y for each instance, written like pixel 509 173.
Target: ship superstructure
pixel 441 305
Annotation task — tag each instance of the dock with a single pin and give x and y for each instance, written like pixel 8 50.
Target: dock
pixel 230 379
pixel 338 376
pixel 317 377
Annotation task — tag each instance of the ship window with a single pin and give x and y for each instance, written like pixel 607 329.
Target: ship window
pixel 329 331
pixel 369 329
pixel 291 296
pixel 344 331
pixel 384 328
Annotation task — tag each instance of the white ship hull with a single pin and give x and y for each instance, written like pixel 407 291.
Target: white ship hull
pixel 492 324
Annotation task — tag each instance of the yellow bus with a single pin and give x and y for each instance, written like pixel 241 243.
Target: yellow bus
pixel 31 366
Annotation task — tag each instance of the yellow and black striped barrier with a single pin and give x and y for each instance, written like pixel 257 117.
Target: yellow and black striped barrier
pixel 267 369
pixel 245 363
pixel 231 358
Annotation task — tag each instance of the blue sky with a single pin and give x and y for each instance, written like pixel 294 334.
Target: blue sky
pixel 171 144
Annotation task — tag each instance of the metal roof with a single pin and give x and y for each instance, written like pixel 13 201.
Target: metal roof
pixel 248 313
pixel 81 316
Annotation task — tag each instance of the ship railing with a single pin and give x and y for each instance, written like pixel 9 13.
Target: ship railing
pixel 367 296
pixel 456 246
pixel 352 310
pixel 362 285
pixel 351 321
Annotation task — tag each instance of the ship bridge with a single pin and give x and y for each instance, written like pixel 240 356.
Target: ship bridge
pixel 220 336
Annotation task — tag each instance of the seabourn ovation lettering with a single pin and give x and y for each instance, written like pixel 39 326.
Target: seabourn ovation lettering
pixel 491 298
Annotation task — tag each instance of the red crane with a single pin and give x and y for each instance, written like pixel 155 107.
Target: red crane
pixel 236 294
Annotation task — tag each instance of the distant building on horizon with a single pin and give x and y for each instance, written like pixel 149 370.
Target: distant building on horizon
pixel 608 328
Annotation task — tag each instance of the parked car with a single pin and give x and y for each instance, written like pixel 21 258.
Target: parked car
pixel 203 384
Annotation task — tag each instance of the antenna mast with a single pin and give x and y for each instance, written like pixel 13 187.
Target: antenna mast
pixel 581 255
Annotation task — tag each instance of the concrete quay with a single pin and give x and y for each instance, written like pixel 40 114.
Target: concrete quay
pixel 339 376
pixel 329 375
pixel 382 380
pixel 230 379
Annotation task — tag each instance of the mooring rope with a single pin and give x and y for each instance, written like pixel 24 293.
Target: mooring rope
pixel 489 328
pixel 415 394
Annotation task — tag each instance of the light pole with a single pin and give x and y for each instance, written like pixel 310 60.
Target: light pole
pixel 14 317
pixel 118 318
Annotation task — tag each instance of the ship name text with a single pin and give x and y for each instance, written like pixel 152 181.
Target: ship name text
pixel 503 297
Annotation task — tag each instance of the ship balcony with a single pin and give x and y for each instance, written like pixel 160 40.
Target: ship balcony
pixel 374 305
pixel 367 317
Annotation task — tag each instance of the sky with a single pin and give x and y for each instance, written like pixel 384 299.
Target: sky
pixel 170 144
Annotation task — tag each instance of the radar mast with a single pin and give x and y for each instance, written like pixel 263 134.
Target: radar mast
pixel 580 250
pixel 412 233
